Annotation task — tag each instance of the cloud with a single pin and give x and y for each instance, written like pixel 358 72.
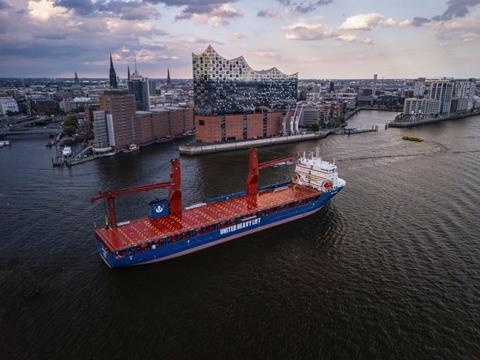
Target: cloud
pixel 463 29
pixel 266 54
pixel 267 13
pixel 419 21
pixel 80 7
pixel 354 39
pixel 44 9
pixel 312 32
pixel 237 35
pixel 405 23
pixel 366 22
pixel 306 31
pixel 455 9
pixel 212 14
pixel 390 22
pixel 128 10
pixel 44 38
pixel 3 5
pixel 304 6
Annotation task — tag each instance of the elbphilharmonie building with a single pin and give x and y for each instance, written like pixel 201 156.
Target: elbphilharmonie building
pixel 223 86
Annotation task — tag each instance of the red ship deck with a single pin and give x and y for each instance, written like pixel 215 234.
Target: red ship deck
pixel 142 231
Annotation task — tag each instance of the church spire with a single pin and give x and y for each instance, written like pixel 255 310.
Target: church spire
pixel 169 81
pixel 128 72
pixel 113 75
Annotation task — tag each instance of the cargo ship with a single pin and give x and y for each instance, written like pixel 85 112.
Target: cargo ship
pixel 170 230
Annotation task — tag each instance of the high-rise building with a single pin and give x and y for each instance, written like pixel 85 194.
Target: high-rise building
pixel 332 87
pixel 222 86
pixel 100 130
pixel 442 90
pixel 463 95
pixel 140 88
pixel 119 108
pixel 421 106
pixel 113 75
pixel 419 87
pixel 374 89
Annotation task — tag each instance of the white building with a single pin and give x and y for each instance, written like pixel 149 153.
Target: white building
pixel 442 90
pixel 77 103
pixel 419 87
pixel 8 104
pixel 100 130
pixel 421 106
pixel 464 92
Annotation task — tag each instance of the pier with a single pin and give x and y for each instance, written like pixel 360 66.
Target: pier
pixel 354 131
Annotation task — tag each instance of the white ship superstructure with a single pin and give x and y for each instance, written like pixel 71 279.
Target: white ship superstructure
pixel 314 172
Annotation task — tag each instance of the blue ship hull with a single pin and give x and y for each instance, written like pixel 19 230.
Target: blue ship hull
pixel 215 237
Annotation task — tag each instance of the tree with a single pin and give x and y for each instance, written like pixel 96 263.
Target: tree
pixel 70 125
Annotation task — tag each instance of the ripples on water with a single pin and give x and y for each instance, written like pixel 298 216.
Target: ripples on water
pixel 390 269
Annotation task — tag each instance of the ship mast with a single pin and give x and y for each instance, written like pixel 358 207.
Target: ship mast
pixel 174 197
pixel 254 169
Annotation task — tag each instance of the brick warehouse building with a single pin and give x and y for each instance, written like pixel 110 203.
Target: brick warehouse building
pixel 155 125
pixel 235 102
pixel 119 108
pixel 118 125
pixel 218 128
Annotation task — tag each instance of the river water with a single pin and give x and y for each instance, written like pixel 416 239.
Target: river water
pixel 389 269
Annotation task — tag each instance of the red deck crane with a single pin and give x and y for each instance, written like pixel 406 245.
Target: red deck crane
pixel 174 197
pixel 175 194
pixel 255 167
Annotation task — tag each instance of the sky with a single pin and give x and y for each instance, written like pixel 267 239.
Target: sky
pixel 316 38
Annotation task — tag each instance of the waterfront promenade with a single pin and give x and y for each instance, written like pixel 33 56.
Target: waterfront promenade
pixel 406 121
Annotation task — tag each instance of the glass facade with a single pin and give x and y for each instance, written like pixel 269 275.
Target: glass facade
pixel 224 86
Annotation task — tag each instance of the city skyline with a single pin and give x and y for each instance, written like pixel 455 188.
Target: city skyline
pixel 318 39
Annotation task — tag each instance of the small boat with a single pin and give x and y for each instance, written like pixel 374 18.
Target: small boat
pixel 133 147
pixel 4 143
pixel 67 151
pixel 412 138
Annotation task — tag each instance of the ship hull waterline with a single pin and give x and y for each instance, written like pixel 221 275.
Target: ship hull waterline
pixel 185 247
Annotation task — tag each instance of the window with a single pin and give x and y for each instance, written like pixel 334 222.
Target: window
pixel 201 122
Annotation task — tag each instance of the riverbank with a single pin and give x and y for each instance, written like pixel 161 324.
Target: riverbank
pixel 407 124
pixel 194 149
pixel 199 149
